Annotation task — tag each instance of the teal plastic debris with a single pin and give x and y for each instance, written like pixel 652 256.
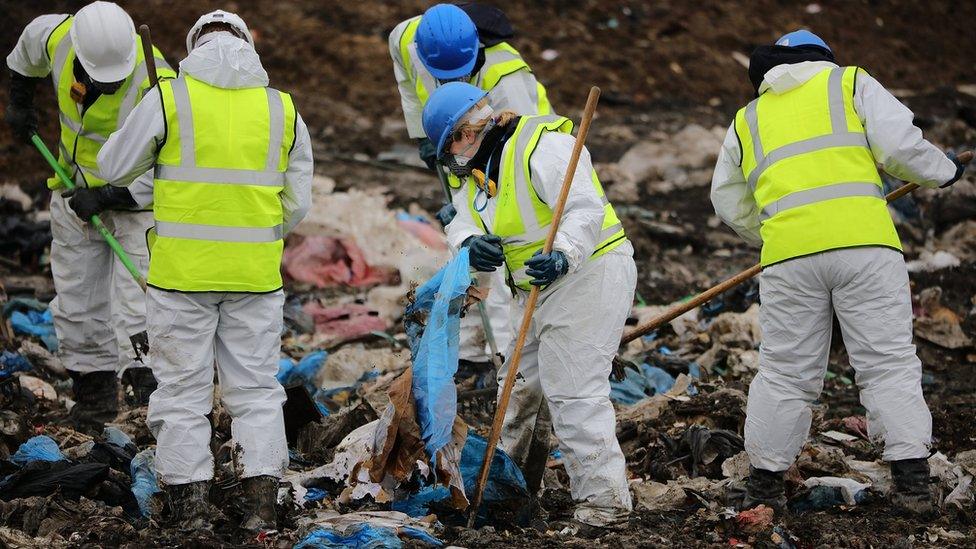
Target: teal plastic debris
pixel 38 324
pixel 636 386
pixel 113 435
pixel 39 448
pixel 304 371
pixel 143 472
pixel 11 362
pixel 505 481
pixel 364 536
pixel 434 349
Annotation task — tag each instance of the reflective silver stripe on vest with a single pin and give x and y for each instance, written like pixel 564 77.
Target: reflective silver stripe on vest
pixel 192 174
pixel 218 233
pixel 499 56
pixel 276 124
pixel 821 194
pixel 839 136
pixel 184 115
pixel 60 57
pixel 76 127
pixel 420 72
pixel 530 221
pixel 132 94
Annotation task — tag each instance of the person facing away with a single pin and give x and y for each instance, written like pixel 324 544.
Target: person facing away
pixel 587 281
pixel 232 162
pixel 797 173
pixel 96 63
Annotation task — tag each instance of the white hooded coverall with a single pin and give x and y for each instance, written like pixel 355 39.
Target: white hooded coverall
pixel 573 338
pixel 98 306
pixel 189 331
pixel 866 287
pixel 516 92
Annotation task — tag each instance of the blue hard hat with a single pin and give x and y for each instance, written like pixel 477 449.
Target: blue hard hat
pixel 446 106
pixel 802 37
pixel 447 42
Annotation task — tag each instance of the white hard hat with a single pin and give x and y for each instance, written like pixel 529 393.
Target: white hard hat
pixel 217 16
pixel 104 39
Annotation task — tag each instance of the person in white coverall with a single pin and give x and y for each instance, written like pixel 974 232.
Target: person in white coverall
pixel 96 63
pixel 587 281
pixel 467 43
pixel 233 171
pixel 797 174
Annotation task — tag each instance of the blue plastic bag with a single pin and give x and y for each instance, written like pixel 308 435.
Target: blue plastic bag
pixel 362 536
pixel 142 468
pixel 113 435
pixel 505 480
pixel 39 448
pixel 434 350
pixel 11 362
pixel 304 371
pixel 36 323
pixel 636 386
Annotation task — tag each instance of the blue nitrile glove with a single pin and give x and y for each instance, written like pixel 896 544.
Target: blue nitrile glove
pixel 446 214
pixel 546 268
pixel 960 168
pixel 485 252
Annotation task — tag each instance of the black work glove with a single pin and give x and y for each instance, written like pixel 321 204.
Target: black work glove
pixel 546 268
pixel 485 252
pixel 89 202
pixel 446 214
pixel 428 152
pixel 960 168
pixel 20 114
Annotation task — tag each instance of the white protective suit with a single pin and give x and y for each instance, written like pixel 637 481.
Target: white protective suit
pixel 574 336
pixel 516 92
pixel 866 287
pixel 98 306
pixel 188 332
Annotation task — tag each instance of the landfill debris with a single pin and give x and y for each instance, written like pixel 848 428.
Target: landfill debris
pixel 13 362
pixel 369 529
pixel 144 484
pixel 39 448
pixel 755 520
pixel 937 323
pixel 38 387
pixel 325 261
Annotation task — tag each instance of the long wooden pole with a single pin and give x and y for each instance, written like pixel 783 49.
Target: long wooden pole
pixel 496 426
pixel 682 308
pixel 150 57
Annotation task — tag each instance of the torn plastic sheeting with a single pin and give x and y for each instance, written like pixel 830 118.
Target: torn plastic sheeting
pixel 39 448
pixel 305 370
pixel 505 481
pixel 637 386
pixel 38 324
pixel 142 469
pixel 327 261
pixel 821 497
pixel 364 536
pixel 11 362
pixel 346 529
pixel 43 478
pixel 851 489
pixel 435 350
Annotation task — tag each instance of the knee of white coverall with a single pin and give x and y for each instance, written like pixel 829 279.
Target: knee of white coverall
pixel 248 347
pixel 81 310
pixel 523 405
pixel 580 325
pixel 796 322
pixel 874 309
pixel 181 343
pixel 128 299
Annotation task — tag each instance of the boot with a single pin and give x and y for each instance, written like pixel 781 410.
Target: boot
pixel 143 384
pixel 260 496
pixel 96 397
pixel 764 488
pixel 911 493
pixel 190 503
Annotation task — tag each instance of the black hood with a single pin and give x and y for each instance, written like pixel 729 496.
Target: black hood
pixel 764 58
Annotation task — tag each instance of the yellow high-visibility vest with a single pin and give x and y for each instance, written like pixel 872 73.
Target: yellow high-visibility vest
pixel 218 180
pixel 807 160
pixel 521 218
pixel 84 133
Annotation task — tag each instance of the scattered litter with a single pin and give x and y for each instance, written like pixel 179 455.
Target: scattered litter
pixel 755 520
pixel 13 362
pixel 39 387
pixel 144 485
pixel 39 448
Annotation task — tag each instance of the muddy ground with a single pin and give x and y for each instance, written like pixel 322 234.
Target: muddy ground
pixel 663 66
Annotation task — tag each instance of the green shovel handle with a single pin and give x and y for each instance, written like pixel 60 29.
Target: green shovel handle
pixel 95 221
